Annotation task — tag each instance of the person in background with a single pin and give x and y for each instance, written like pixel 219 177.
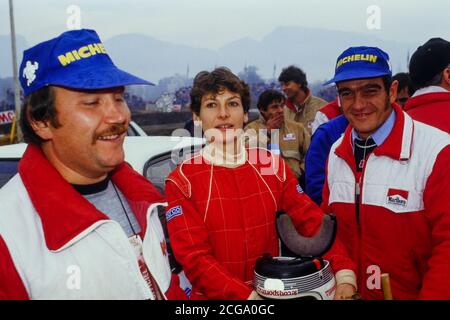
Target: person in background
pixel 430 73
pixel 317 155
pixel 292 138
pixel 405 87
pixel 326 113
pixel 301 105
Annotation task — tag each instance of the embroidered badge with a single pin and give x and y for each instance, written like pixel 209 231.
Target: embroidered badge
pixel 29 72
pixel 289 137
pixel 397 197
pixel 174 212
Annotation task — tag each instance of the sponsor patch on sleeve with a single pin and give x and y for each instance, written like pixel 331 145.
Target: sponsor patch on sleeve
pixel 173 212
pixel 299 189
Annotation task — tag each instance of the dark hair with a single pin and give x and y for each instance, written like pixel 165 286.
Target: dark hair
pixel 267 97
pixel 404 81
pixel 38 106
pixel 435 81
pixel 293 73
pixel 387 81
pixel 216 81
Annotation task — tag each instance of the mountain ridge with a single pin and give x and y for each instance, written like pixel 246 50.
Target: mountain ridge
pixel 313 49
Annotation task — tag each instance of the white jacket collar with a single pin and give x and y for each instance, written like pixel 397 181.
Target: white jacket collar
pixel 430 89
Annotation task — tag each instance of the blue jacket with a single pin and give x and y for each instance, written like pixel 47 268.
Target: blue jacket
pixel 317 155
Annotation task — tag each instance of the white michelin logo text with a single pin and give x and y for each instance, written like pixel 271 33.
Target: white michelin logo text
pixel 29 72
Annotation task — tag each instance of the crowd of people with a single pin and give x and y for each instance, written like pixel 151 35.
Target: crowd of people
pixel 7 101
pixel 376 157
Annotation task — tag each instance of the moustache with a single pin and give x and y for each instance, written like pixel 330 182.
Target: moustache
pixel 115 129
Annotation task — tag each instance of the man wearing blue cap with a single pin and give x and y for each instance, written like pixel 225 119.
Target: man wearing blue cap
pixel 77 222
pixel 388 184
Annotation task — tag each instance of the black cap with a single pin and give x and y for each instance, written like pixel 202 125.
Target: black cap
pixel 429 60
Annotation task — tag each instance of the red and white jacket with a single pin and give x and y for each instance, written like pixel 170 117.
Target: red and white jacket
pixel 221 218
pixel 431 108
pixel 404 210
pixel 326 113
pixel 54 244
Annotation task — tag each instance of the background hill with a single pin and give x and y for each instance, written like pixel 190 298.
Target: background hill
pixel 314 50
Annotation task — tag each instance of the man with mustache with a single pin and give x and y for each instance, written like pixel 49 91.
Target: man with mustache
pixel 77 222
pixel 388 184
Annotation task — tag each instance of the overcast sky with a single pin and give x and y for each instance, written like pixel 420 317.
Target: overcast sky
pixel 213 23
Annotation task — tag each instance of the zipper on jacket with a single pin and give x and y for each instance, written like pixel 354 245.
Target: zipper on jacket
pixel 358 191
pixel 357 201
pixel 360 276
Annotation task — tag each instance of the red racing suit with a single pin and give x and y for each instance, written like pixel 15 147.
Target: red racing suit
pixel 221 219
pixel 401 224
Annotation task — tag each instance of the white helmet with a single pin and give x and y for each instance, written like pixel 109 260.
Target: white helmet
pixel 305 276
pixel 294 278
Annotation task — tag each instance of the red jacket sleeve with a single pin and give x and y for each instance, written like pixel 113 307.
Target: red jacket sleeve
pixel 436 281
pixel 307 218
pixel 11 286
pixel 175 292
pixel 189 240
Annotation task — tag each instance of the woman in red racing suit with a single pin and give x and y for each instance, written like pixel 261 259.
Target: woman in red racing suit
pixel 223 202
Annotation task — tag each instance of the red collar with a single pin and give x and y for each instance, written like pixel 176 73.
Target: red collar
pixel 332 109
pixel 291 105
pixel 63 211
pixel 396 146
pixel 427 98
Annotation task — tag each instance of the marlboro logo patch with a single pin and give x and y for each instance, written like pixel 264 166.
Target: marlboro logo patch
pixel 397 197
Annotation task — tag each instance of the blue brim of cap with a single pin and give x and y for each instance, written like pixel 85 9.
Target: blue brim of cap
pixel 100 77
pixel 353 75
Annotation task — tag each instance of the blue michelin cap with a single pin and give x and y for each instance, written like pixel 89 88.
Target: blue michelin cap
pixel 76 59
pixel 361 63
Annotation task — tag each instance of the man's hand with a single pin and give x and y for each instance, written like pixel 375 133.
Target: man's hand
pixel 275 122
pixel 344 291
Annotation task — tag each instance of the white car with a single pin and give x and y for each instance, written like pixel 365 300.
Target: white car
pixel 135 130
pixel 152 156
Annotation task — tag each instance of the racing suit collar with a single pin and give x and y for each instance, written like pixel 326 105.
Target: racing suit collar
pixel 216 154
pixel 65 214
